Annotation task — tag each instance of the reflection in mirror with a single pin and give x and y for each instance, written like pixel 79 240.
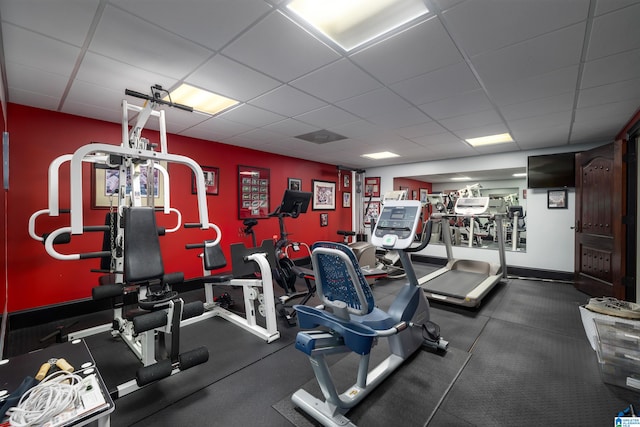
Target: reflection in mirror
pixel 506 190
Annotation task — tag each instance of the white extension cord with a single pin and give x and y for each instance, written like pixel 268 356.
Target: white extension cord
pixel 53 395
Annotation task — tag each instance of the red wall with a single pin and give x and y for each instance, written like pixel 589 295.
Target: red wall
pixel 39 136
pixel 412 185
pixel 3 266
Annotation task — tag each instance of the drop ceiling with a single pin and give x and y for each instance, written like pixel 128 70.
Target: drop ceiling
pixel 552 73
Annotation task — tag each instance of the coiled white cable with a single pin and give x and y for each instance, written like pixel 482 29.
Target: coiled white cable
pixel 56 393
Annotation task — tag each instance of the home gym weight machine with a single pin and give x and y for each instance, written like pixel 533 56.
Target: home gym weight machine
pixel 136 264
pixel 354 323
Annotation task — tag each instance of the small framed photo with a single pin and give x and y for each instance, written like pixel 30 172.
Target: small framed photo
pixel 372 187
pixel 324 195
pixel 557 199
pixel 324 219
pixel 423 195
pixel 211 180
pixel 295 184
pixel 346 180
pixel 372 211
pixel 346 199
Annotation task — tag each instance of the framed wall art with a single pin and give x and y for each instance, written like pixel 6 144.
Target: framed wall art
pixel 211 180
pixel 372 210
pixel 557 199
pixel 324 195
pixel 324 219
pixel 346 199
pixel 294 184
pixel 372 187
pixel 253 192
pixel 105 182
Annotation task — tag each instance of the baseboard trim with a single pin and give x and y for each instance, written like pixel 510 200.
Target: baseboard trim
pixel 520 272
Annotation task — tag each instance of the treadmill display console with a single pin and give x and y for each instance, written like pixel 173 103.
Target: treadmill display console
pixel 396 226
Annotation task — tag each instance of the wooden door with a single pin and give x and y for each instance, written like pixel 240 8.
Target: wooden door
pixel 600 242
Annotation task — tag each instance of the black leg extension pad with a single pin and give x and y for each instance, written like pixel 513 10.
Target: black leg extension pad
pixel 147 322
pixel 155 372
pixel 192 309
pixel 106 291
pixel 194 357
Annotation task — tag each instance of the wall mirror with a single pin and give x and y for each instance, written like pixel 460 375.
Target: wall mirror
pixel 507 192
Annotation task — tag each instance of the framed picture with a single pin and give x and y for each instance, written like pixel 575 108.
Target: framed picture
pixel 414 195
pixel 372 211
pixel 295 184
pixel 372 187
pixel 324 219
pixel 346 199
pixel 324 195
pixel 105 182
pixel 423 195
pixel 211 180
pixel 557 199
pixel 346 180
pixel 253 192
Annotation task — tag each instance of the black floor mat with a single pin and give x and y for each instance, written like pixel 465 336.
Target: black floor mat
pixel 409 397
pixel 522 375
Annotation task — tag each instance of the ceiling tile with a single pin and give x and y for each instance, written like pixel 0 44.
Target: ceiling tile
pixel 36 80
pixel 531 57
pixel 250 115
pixel 423 129
pixel 290 127
pixel 400 118
pixel 474 125
pixel 209 23
pixel 327 117
pixel 33 50
pixel 409 49
pixel 538 107
pixel 52 18
pixel 536 87
pixel 378 101
pixel 534 139
pixel 226 77
pixel 287 101
pixel 480 26
pixel 143 45
pixel 615 32
pixel 621 91
pixel 540 122
pixel 438 84
pixel 600 71
pixel 216 129
pixel 279 48
pixel 337 81
pixel 458 105
pixel 109 73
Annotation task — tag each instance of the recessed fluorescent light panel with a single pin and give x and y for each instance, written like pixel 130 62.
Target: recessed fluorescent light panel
pixel 520 174
pixel 491 139
pixel 352 23
pixel 461 178
pixel 201 100
pixel 380 155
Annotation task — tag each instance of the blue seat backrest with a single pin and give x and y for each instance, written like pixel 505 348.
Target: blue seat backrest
pixel 142 256
pixel 338 277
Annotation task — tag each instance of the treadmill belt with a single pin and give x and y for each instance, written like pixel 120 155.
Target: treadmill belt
pixel 454 283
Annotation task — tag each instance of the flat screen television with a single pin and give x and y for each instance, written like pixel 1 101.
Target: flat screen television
pixel 551 171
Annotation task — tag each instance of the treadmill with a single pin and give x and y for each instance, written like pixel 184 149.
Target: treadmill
pixel 461 281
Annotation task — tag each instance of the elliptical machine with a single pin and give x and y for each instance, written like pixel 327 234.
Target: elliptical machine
pixel 355 324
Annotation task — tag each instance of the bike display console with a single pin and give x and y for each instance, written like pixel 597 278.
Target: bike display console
pixel 396 226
